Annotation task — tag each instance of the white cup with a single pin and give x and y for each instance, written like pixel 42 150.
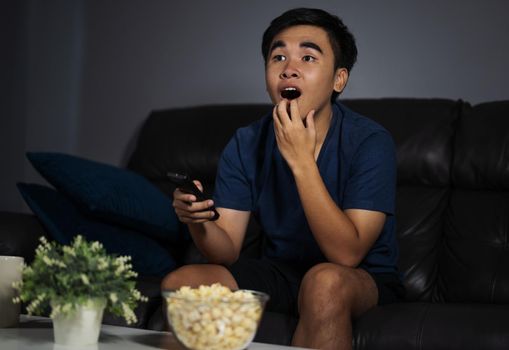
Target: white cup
pixel 10 271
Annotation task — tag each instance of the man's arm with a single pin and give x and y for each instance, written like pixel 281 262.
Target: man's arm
pixel 219 241
pixel 344 237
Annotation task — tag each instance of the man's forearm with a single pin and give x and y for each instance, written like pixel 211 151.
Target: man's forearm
pixel 333 230
pixel 213 242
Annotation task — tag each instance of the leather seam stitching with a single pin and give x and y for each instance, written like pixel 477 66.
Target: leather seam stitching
pixel 421 328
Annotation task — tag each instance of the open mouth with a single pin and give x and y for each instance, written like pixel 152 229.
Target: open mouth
pixel 290 93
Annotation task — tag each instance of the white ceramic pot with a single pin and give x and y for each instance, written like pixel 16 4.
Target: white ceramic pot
pixel 81 326
pixel 10 271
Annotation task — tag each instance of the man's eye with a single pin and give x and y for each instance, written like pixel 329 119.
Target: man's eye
pixel 308 58
pixel 279 58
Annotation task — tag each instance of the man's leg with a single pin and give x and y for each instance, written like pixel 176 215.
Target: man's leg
pixel 330 296
pixel 196 275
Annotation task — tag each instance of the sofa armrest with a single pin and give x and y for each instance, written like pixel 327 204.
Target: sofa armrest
pixel 19 234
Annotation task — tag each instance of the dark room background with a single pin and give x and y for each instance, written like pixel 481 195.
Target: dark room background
pixel 80 76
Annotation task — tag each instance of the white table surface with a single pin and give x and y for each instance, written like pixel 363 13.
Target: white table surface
pixel 37 333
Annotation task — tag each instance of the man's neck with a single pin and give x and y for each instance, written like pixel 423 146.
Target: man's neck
pixel 322 124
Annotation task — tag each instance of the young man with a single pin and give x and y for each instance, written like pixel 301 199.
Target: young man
pixel 319 178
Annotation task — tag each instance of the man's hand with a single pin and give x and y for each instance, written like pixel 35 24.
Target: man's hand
pixel 219 241
pixel 190 211
pixel 296 141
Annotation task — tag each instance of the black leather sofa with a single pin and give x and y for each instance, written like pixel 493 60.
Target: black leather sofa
pixel 452 217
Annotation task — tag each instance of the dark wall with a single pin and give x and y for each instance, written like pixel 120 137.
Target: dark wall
pixel 12 100
pixel 83 74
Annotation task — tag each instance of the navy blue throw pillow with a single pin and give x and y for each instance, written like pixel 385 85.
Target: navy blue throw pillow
pixel 63 221
pixel 110 193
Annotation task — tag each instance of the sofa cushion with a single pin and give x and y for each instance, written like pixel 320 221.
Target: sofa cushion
pixel 474 255
pixel 431 326
pixel 63 221
pixel 419 227
pixel 110 193
pixel 474 259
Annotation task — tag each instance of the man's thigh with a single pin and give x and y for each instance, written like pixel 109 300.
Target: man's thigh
pixel 366 291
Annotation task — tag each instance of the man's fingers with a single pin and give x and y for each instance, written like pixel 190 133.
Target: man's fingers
pixel 194 217
pixel 198 184
pixel 295 114
pixel 191 221
pixel 192 206
pixel 183 196
pixel 190 211
pixel 310 121
pixel 184 214
pixel 282 112
pixel 275 117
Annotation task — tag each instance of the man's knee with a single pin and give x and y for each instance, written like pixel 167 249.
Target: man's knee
pixel 176 278
pixel 196 275
pixel 188 275
pixel 325 286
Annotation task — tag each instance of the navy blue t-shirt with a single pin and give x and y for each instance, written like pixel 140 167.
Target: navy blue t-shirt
pixel 357 164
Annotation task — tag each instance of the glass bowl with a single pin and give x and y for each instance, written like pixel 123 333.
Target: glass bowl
pixel 203 318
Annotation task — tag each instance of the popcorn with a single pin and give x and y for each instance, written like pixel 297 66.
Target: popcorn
pixel 213 317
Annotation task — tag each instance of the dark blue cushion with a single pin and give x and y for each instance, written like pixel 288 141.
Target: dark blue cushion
pixel 63 221
pixel 110 193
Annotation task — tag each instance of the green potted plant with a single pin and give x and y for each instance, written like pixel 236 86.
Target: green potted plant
pixel 78 281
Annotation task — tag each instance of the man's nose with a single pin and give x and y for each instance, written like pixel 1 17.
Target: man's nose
pixel 290 71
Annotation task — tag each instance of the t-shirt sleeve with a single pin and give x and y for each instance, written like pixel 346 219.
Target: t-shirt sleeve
pixel 232 189
pixel 371 183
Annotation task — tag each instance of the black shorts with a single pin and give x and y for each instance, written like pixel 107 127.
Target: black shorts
pixel 281 281
pixel 390 288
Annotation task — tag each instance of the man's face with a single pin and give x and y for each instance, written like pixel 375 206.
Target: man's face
pixel 301 58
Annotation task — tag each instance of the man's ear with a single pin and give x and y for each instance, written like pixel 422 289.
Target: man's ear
pixel 340 79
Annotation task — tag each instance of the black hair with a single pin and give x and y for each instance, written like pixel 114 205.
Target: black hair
pixel 341 40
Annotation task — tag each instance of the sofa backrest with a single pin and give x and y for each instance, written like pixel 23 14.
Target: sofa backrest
pixel 189 140
pixel 453 179
pixel 474 259
pixel 423 131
